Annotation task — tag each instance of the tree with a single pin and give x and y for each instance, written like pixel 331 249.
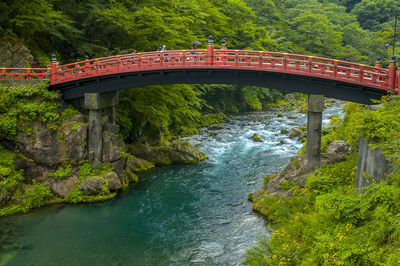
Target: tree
pixel 315 34
pixel 372 13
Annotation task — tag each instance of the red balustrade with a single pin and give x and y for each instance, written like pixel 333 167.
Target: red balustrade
pixel 370 76
pixel 24 73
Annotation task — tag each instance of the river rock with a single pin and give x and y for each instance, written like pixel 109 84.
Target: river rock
pixel 257 138
pixel 177 152
pixel 62 188
pixel 92 185
pixel 138 165
pixel 113 181
pixel 302 136
pixel 295 132
pixel 183 152
pixel 339 146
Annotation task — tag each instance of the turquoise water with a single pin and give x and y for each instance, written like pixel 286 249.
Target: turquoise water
pixel 177 215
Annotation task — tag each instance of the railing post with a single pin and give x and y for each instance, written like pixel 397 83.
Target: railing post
pixel 3 74
pixel 361 73
pixel 378 62
pixel 284 61
pixel 392 73
pixel 335 67
pixel 53 69
pixel 223 52
pixel 210 51
pixel 118 62
pixel 87 65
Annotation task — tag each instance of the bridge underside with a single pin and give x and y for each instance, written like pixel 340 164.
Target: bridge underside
pixel 272 80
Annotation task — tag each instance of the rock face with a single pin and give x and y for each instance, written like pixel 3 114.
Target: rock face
pixel 177 152
pixel 371 164
pixel 50 147
pixel 14 54
pixel 92 185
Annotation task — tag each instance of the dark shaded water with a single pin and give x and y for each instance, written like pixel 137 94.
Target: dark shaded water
pixel 177 215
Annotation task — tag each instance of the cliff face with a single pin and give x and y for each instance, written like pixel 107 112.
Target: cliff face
pixel 14 54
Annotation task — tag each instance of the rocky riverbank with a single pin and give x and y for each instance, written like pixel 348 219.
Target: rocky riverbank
pixel 294 175
pixel 43 145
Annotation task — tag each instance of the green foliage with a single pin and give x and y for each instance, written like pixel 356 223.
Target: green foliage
pixel 36 196
pixel 20 106
pixel 328 222
pixel 62 173
pixel 86 170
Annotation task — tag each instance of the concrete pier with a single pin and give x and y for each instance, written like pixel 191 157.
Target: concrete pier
pixel 101 109
pixel 314 125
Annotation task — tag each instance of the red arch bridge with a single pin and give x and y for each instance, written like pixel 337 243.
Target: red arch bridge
pixel 289 72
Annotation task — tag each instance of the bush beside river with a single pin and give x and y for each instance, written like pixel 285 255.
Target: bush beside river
pixel 325 220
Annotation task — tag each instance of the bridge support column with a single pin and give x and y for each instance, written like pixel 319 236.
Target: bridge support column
pixel 314 123
pixel 101 109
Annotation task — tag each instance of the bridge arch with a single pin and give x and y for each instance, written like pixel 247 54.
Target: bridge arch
pixel 273 80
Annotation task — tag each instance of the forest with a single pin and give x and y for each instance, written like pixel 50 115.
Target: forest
pixel 349 30
pixel 326 222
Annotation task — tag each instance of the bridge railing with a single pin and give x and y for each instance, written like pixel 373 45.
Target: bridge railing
pixel 24 73
pixel 221 58
pixel 304 65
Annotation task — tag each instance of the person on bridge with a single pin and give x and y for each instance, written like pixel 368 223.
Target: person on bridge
pixel 159 48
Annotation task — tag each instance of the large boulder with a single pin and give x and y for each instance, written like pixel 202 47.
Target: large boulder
pixel 92 185
pixel 295 132
pixel 113 181
pixel 177 152
pixel 339 147
pixel 137 165
pixel 62 188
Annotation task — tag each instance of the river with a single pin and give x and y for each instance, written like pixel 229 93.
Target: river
pixel 177 215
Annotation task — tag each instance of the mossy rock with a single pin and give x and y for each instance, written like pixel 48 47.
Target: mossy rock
pixel 256 138
pixel 217 127
pixel 292 116
pixel 176 152
pixel 92 185
pixel 284 131
pixel 279 114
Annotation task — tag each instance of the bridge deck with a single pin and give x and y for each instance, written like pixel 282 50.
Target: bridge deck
pixel 220 59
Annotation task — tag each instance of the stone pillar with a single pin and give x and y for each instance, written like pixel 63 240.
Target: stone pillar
pixel 97 103
pixel 314 124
